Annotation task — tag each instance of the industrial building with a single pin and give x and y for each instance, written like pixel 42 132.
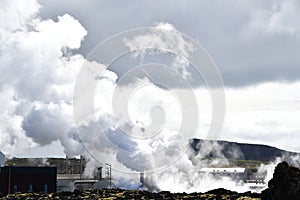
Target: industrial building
pixel 27 179
pixel 70 172
pixel 233 172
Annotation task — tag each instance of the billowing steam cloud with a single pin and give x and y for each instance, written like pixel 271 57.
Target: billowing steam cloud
pixel 37 69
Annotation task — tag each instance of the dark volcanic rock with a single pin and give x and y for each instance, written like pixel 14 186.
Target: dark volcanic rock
pixel 221 191
pixel 285 184
pixel 117 194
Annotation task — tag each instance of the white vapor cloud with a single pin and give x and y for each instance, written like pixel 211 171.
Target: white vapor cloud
pixel 40 59
pixel 37 70
pixel 162 41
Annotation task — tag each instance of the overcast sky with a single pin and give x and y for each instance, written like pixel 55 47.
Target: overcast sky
pixel 251 41
pixel 255 44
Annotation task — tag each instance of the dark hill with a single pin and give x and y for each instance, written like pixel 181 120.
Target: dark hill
pixel 241 151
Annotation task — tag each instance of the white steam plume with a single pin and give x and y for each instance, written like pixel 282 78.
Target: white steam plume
pixel 37 73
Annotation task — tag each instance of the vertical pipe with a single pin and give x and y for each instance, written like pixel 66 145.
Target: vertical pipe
pixel 9 179
pixel 142 178
pixel 109 165
pixel 110 176
pixel 100 173
pixel 80 167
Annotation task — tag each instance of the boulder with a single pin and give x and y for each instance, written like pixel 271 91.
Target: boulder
pixel 285 184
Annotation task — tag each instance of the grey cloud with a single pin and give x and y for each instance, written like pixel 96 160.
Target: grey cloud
pixel 248 46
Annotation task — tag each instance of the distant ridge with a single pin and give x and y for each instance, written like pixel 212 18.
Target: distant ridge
pixel 242 151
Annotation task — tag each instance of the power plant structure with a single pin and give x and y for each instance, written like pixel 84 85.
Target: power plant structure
pixel 233 172
pixel 69 175
pixel 27 179
pixel 255 182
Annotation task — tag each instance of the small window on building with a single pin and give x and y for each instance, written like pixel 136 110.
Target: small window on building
pixel 15 188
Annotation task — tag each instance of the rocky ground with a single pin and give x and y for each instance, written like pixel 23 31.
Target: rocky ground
pixel 285 185
pixel 135 194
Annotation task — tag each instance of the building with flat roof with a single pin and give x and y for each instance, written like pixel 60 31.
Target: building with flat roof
pixel 232 172
pixel 224 170
pixel 27 179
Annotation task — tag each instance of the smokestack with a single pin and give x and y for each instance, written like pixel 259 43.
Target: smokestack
pixel 80 167
pixel 67 160
pixel 100 172
pixel 142 178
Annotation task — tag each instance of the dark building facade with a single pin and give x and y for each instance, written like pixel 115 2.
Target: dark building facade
pixel 64 165
pixel 27 179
